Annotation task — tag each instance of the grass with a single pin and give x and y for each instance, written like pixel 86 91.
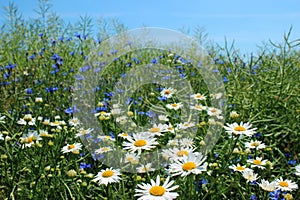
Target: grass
pixel 40 64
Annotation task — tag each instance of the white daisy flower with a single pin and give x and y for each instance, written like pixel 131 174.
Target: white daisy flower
pixel 191 164
pixel 214 112
pixel 103 150
pixel 1 136
pixel 163 118
pixel 145 168
pixel 185 125
pixel 71 148
pixel 198 96
pixel 285 185
pixel 123 135
pixel 297 168
pixel 255 144
pixel 216 96
pixel 173 142
pixel 242 129
pixel 74 122
pixel 174 106
pixel 140 141
pixel 83 132
pixel 238 168
pixel 105 138
pixel 265 185
pixel 154 191
pixel 29 139
pixel 250 175
pixel 167 92
pixel 198 107
pixel 258 162
pixel 234 114
pixel 108 175
pixel 131 158
pixel 171 128
pixel 186 142
pixel 176 153
pixel 27 119
pixel 158 129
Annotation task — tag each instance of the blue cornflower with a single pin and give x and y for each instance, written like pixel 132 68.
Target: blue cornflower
pixel 292 162
pixel 10 66
pixel 225 79
pixel 253 197
pixel 29 91
pixel 51 89
pixel 84 166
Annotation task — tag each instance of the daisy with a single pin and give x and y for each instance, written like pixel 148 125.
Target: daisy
pixel 185 125
pixel 158 129
pixel 131 158
pixel 186 142
pixel 265 185
pixel 103 150
pixel 27 119
pixel 176 153
pixel 233 114
pixel 214 112
pixel 198 96
pixel 145 168
pixel 1 136
pixel 167 92
pixel 71 148
pixel 106 138
pixel 83 132
pixel 193 163
pixel 285 185
pixel 238 168
pixel 174 106
pixel 297 168
pixel 255 145
pixel 198 107
pixel 108 175
pixel 140 141
pixel 258 162
pixel 74 122
pixel 154 191
pixel 242 129
pixel 30 139
pixel 216 96
pixel 171 128
pixel 163 118
pixel 123 135
pixel 250 175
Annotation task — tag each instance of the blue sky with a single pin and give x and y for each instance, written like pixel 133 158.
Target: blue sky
pixel 248 23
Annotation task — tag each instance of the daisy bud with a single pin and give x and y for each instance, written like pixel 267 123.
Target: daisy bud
pixel 236 150
pixel 71 173
pixel 129 113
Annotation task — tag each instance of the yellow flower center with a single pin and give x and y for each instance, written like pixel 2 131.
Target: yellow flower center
pixel 154 130
pixel 124 134
pixel 188 166
pixel 140 143
pixel 239 128
pixel 182 153
pixel 157 191
pixel 257 162
pixel 107 173
pixel 254 144
pixel 197 106
pixel 284 184
pixel 167 92
pixel 240 168
pixel 213 110
pixel 198 96
pixel 29 139
pixel 174 105
pixel 71 146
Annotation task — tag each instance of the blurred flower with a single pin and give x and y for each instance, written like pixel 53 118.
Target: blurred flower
pixel 131 158
pixel 154 191
pixel 83 132
pixel 2 119
pixel 1 136
pixel 174 106
pixel 198 96
pixel 297 168
pixel 234 114
pixel 250 175
pixel 74 122
pixel 265 185
pixel 145 168
pixel 238 168
pixel 107 176
pixel 176 153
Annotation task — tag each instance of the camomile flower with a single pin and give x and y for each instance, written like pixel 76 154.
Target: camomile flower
pixel 123 135
pixel 255 145
pixel 176 153
pixel 1 136
pixel 198 107
pixel 258 162
pixel 2 119
pixel 83 132
pixel 108 175
pixel 191 164
pixel 239 129
pixel 71 148
pixel 186 142
pixel 163 118
pixel 29 139
pixel 145 168
pixel 154 191
pixel 285 185
pixel 167 92
pixel 131 158
pixel 216 96
pixel 238 168
pixel 106 138
pixel 185 125
pixel 214 112
pixel 103 150
pixel 297 168
pixel 198 96
pixel 158 129
pixel 265 185
pixel 250 175
pixel 74 122
pixel 140 141
pixel 174 106
pixel 27 119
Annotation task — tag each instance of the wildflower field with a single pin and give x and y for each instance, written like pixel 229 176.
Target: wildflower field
pixel 247 148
